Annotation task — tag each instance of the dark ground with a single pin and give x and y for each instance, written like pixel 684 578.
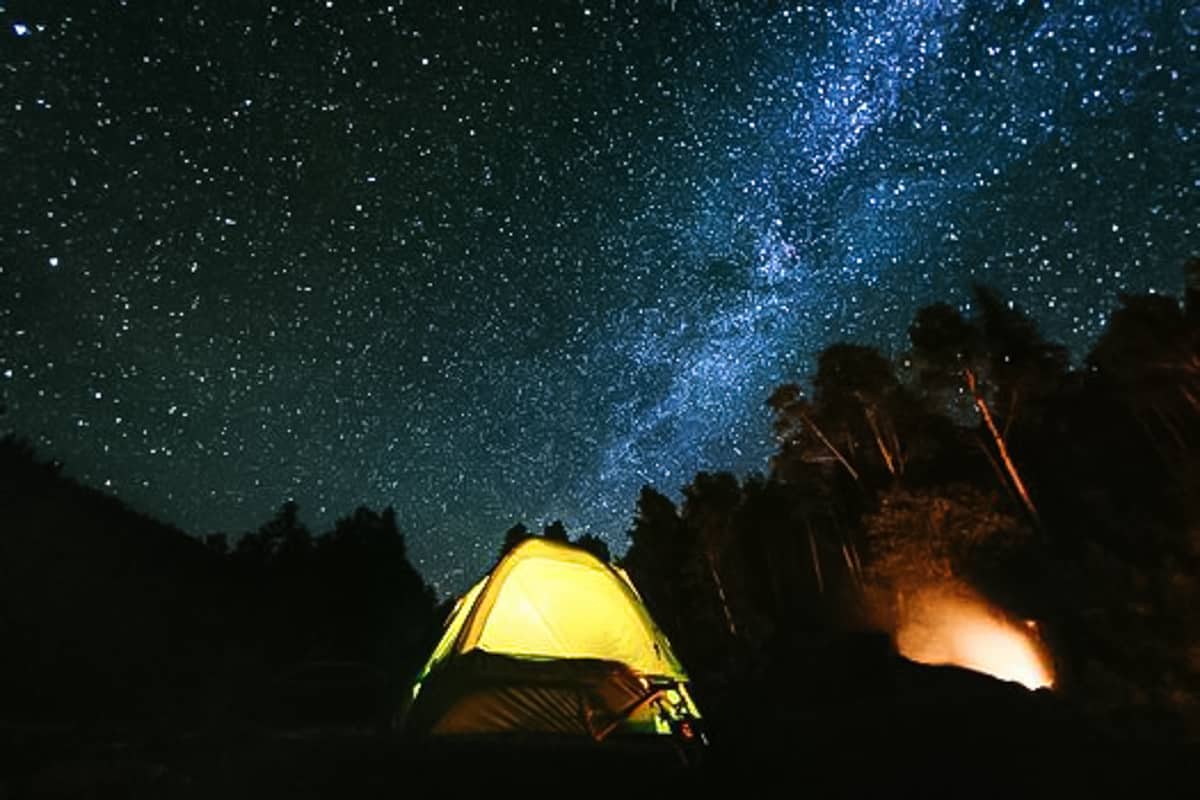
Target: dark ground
pixel 136 661
pixel 871 723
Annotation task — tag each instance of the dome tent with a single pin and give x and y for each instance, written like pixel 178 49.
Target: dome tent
pixel 553 641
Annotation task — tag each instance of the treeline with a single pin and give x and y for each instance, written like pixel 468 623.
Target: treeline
pixel 349 594
pixel 108 614
pixel 1066 495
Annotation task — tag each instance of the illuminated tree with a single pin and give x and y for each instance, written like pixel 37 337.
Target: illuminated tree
pixel 997 359
pixel 918 538
pixel 800 435
pixel 856 390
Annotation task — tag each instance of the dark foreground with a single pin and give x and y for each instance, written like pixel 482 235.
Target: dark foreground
pixel 863 727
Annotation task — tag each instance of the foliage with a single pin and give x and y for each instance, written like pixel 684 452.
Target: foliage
pixel 926 537
pixel 890 475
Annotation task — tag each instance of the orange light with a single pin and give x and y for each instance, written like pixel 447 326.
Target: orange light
pixel 955 626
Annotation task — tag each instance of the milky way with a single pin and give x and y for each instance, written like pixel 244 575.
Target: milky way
pixel 500 262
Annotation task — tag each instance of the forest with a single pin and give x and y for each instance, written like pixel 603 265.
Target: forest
pixel 1066 494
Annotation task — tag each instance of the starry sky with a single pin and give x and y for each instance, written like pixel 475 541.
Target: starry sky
pixel 503 261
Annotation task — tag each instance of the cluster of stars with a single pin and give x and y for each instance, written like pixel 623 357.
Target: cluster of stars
pixel 505 263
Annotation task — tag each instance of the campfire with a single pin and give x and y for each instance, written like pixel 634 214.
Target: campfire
pixel 956 626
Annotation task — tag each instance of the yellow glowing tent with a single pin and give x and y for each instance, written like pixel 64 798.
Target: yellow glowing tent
pixel 553 641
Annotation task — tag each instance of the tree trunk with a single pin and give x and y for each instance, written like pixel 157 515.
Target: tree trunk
pixel 816 560
pixel 712 568
pixel 888 459
pixel 1012 413
pixel 852 565
pixel 1010 467
pixel 897 449
pixel 1001 478
pixel 830 446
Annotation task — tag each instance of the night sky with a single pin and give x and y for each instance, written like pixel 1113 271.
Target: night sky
pixel 490 262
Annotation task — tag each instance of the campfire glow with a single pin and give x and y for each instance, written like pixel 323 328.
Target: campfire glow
pixel 955 627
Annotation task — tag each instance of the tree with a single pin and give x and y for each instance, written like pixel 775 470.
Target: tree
pixel 661 547
pixel 217 542
pixel 380 609
pixel 281 539
pixel 1191 288
pixel 513 537
pixel 926 537
pixel 1022 368
pixel 998 358
pixel 709 504
pixel 798 432
pixel 594 545
pixel 19 462
pixel 658 537
pixel 1150 356
pixel 785 535
pixel 923 535
pixel 860 415
pixel 1143 388
pixel 856 389
pixel 556 532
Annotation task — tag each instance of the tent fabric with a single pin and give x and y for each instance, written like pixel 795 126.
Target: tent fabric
pixel 552 641
pixel 458 618
pixel 481 693
pixel 549 600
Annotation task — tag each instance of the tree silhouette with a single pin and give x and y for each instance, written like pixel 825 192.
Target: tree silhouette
pixel 709 504
pixel 800 435
pixel 217 542
pixel 875 487
pixel 19 462
pixel 1150 356
pixel 659 558
pixel 380 607
pixel 1191 296
pixel 919 537
pixel 858 396
pixel 289 540
pixel 252 551
pixel 790 553
pixel 985 359
pixel 594 545
pixel 1023 369
pixel 556 532
pixel 513 537
pixel 282 540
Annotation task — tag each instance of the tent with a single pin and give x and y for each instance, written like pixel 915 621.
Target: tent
pixel 553 641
